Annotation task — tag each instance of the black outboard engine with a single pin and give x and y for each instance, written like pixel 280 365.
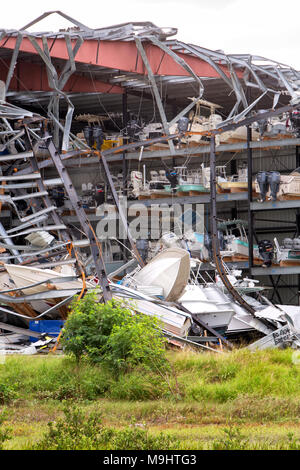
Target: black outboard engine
pixel 182 127
pixel 295 120
pixel 274 182
pixel 266 251
pixel 99 195
pixel 58 195
pixel 263 183
pixel 133 128
pixel 172 177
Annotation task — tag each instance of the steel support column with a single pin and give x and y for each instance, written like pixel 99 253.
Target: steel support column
pixel 124 161
pixel 250 213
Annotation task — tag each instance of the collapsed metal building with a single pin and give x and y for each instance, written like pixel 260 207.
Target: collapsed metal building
pixel 122 79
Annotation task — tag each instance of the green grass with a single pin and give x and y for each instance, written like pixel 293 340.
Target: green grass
pixel 255 394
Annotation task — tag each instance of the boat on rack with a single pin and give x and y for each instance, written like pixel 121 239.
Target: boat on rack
pixel 289 253
pixel 189 181
pixel 237 183
pixel 156 187
pixel 236 240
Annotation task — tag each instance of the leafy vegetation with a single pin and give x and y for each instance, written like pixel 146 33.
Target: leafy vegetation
pixel 80 432
pixel 254 396
pixel 5 434
pixel 111 334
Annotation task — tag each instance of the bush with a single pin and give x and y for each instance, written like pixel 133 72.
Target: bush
pixel 78 432
pixel 113 335
pixel 74 432
pixel 233 440
pixel 4 433
pixel 7 393
pixel 136 438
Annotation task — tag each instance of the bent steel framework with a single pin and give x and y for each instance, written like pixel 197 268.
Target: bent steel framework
pixel 151 59
pixel 119 59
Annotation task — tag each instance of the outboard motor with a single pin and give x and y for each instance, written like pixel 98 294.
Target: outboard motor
pixel 208 244
pixel 143 248
pixel 266 251
pixel 58 195
pixel 288 243
pixel 222 242
pixel 274 181
pixel 296 244
pixel 182 125
pixel 262 125
pixel 99 195
pixel 88 135
pixel 263 183
pixel 133 129
pixel 172 177
pixel 98 136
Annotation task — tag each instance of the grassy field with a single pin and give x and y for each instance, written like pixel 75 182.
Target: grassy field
pixel 237 400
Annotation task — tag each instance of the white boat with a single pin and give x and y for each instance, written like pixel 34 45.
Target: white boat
pixel 145 189
pixel 289 185
pixel 170 270
pixel 209 304
pixel 289 253
pixel 24 276
pixel 173 320
pixel 237 245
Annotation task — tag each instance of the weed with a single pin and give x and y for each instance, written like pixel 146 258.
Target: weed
pixel 5 434
pixel 79 432
pixel 7 393
pixel 233 440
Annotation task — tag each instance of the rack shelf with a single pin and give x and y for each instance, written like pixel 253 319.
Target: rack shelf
pixel 276 270
pixel 277 205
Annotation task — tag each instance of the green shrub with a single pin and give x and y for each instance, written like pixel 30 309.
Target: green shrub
pixel 233 440
pixel 74 432
pixel 111 334
pixel 7 393
pixel 79 432
pixel 4 433
pixel 138 438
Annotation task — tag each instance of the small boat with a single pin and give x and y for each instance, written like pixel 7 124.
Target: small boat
pixel 173 320
pixel 236 240
pixel 289 253
pixel 289 185
pixel 170 270
pixel 209 304
pixel 156 187
pixel 190 180
pixel 24 276
pixel 237 183
pixel 202 124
